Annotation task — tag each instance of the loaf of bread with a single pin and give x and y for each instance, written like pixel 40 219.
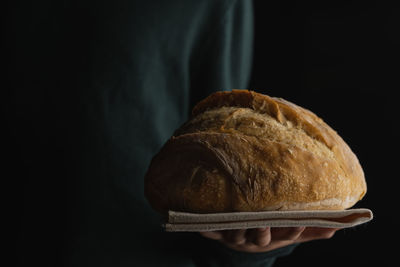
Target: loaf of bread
pixel 244 151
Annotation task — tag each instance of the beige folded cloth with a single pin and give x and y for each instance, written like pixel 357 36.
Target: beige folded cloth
pixel 191 222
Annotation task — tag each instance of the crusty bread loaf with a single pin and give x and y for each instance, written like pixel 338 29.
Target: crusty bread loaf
pixel 244 151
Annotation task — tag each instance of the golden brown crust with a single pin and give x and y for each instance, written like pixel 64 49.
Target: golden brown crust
pixel 244 151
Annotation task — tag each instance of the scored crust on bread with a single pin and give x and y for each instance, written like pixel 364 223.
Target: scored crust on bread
pixel 245 151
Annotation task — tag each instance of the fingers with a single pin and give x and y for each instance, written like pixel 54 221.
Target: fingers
pixel 315 233
pixel 261 237
pixel 215 235
pixel 274 237
pixel 235 237
pixel 287 233
pixel 267 239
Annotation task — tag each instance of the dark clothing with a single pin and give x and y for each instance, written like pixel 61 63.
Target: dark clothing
pixel 98 88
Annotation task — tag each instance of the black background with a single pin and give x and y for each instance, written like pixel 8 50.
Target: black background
pixel 340 60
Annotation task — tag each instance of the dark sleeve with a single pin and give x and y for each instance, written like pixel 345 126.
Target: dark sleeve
pixel 224 62
pixel 214 254
pixel 266 259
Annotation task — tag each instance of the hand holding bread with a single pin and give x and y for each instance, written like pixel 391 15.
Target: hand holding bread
pixel 266 239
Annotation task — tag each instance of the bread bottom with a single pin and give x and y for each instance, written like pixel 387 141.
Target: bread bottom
pixel 326 204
